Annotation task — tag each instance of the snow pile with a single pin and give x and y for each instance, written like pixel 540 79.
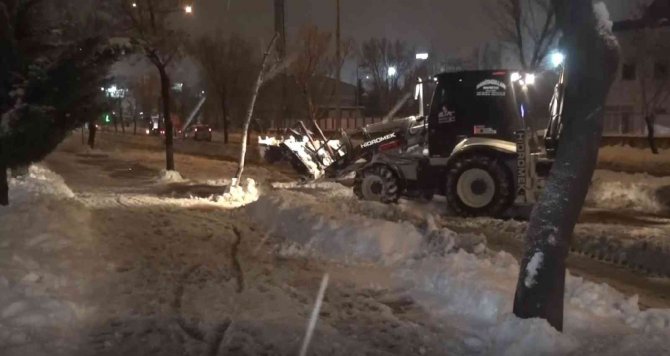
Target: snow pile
pixel 441 241
pixel 480 291
pixel 41 223
pixel 329 189
pixel 37 183
pixel 463 284
pixel 471 293
pixel 168 177
pixel 238 195
pixel 513 336
pixel 641 192
pixel 323 231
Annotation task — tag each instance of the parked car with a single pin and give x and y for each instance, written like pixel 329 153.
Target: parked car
pixel 198 133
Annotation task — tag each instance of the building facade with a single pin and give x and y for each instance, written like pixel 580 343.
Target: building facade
pixel 642 86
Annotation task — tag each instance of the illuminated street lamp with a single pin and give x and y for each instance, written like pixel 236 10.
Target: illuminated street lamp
pixel 134 4
pixel 188 9
pixel 392 71
pixel 557 59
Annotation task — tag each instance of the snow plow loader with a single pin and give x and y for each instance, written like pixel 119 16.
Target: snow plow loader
pixel 472 144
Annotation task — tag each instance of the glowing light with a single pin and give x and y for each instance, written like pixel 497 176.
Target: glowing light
pixel 557 59
pixel 530 79
pixel 134 4
pixel 392 71
pixel 188 9
pixel 515 77
pixel 422 56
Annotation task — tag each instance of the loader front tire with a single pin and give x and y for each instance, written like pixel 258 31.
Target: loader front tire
pixel 479 185
pixel 377 183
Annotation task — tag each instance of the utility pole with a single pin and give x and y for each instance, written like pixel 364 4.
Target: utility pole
pixel 280 28
pixel 338 58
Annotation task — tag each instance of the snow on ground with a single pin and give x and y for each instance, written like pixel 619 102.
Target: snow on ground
pixel 641 192
pixel 42 221
pixel 195 161
pixel 38 183
pixel 46 231
pixel 167 177
pixel 470 291
pixel 319 230
pixel 237 195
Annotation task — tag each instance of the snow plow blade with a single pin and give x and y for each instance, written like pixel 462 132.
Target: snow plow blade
pixel 309 157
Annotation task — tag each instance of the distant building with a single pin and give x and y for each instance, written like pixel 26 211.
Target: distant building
pixel 644 73
pixel 487 56
pixel 281 110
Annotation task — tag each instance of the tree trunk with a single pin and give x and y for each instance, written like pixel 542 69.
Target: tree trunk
pixel 167 119
pixel 650 120
pixel 123 122
pixel 91 134
pixel 592 59
pixel 310 106
pixel 224 110
pixel 250 111
pixel 4 186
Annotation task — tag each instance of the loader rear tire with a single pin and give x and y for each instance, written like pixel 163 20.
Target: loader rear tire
pixel 377 183
pixel 479 185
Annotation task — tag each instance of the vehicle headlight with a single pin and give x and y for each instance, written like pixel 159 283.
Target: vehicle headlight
pixel 530 79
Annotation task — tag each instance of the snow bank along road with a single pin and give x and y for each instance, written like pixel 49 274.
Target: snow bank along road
pixel 640 201
pixel 115 258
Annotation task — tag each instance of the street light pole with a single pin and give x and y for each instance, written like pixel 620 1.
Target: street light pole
pixel 338 56
pixel 281 120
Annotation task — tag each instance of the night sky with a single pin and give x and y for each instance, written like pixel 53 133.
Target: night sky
pixel 443 25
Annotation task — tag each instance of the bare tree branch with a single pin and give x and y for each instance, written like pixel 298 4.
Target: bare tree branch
pixel 252 105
